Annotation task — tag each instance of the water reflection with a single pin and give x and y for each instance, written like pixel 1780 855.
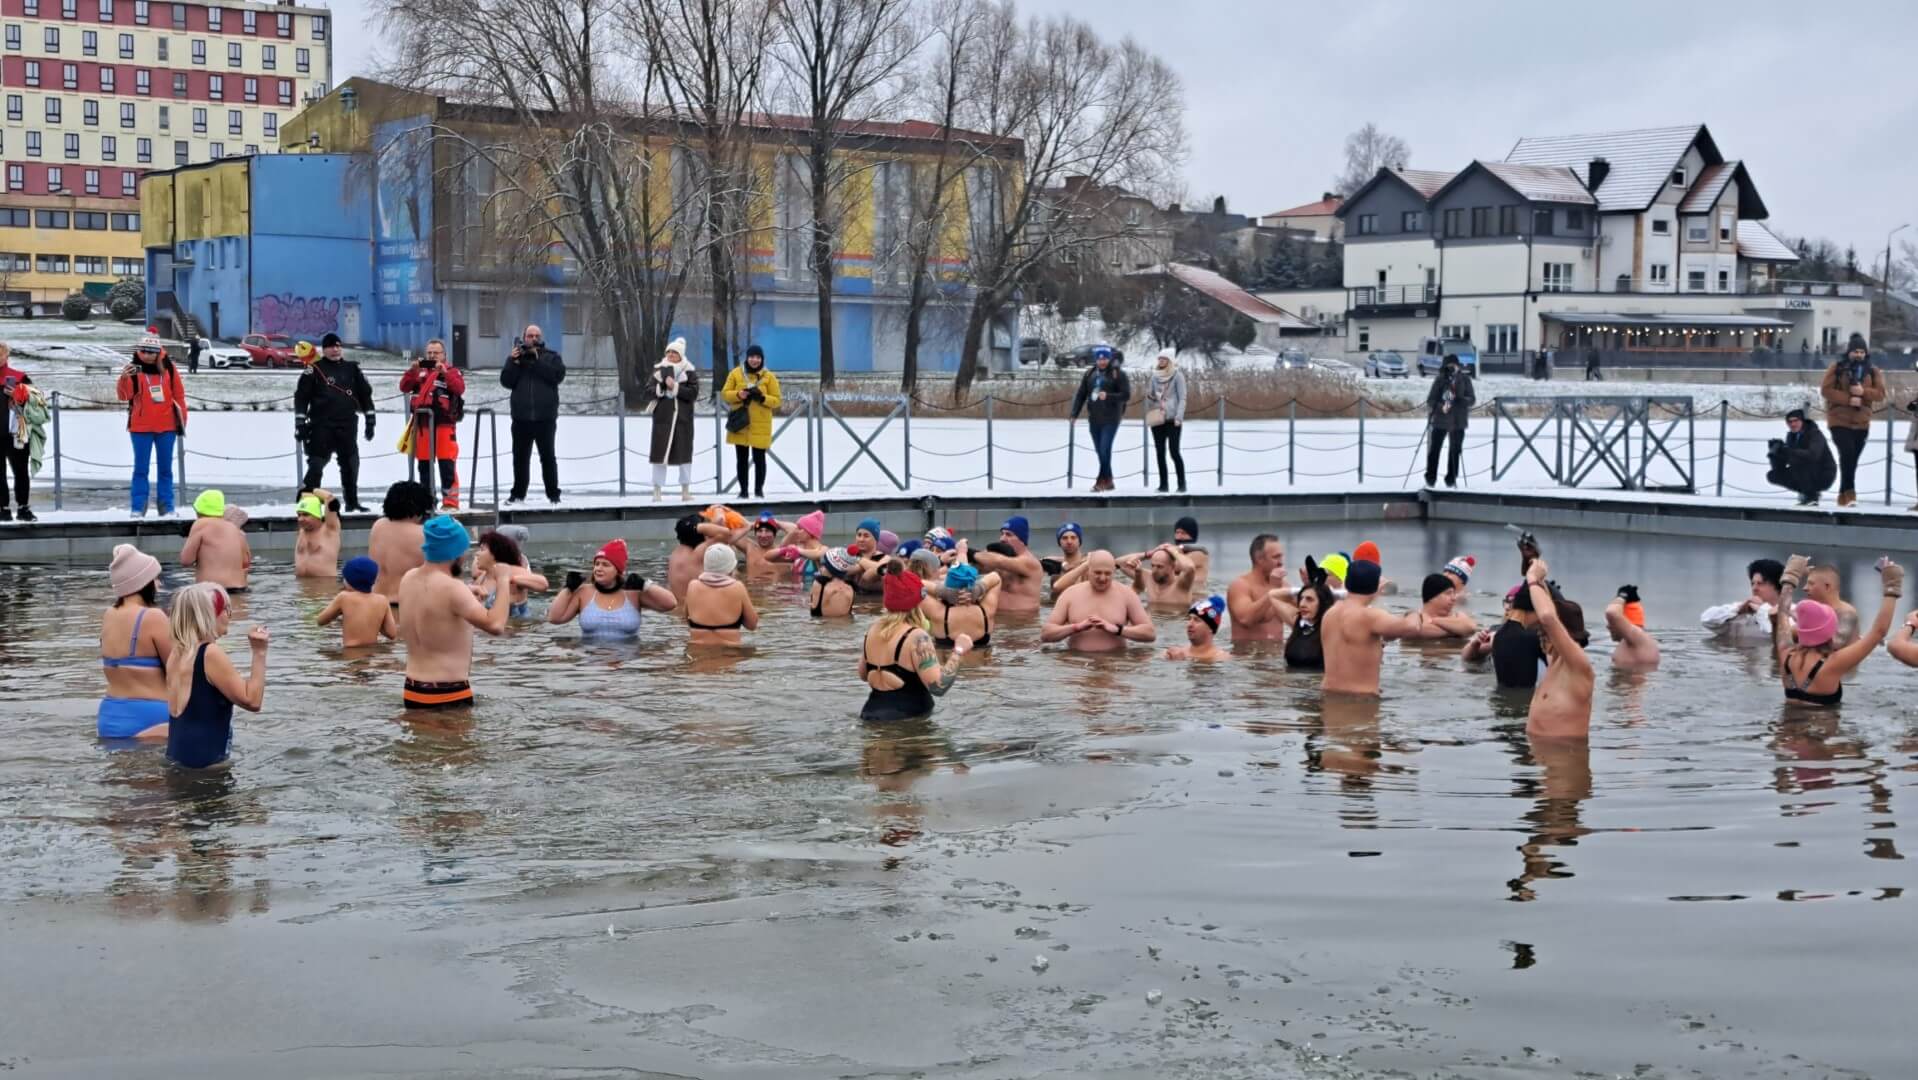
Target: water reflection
pixel 1558 791
pixel 173 830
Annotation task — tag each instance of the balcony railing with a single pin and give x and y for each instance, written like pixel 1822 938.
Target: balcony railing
pixel 1380 296
pixel 1626 283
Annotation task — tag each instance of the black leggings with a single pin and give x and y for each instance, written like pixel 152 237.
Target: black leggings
pixel 1851 444
pixel 1163 436
pixel 741 454
pixel 18 460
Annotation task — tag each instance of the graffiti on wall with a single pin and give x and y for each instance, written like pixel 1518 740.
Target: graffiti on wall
pixel 296 316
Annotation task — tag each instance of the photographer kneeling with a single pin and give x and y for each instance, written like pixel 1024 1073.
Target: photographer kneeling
pixel 1802 460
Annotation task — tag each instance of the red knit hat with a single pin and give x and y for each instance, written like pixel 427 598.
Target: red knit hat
pixel 614 552
pixel 904 590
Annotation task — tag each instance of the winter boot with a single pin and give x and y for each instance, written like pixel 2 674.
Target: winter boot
pixel 25 514
pixel 1847 498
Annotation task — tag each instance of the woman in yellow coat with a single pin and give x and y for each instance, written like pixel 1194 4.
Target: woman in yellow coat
pixel 752 387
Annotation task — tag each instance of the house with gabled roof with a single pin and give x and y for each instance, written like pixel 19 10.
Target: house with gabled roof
pixel 1648 241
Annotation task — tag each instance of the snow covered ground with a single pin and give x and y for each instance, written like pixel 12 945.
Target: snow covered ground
pixel 950 457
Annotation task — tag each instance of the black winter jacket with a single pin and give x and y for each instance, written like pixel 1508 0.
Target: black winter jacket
pixel 332 394
pixel 1118 391
pixel 534 382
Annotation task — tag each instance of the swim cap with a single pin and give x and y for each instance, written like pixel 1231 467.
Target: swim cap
pixel 211 503
pixel 903 591
pixel 888 541
pixel 927 558
pixel 1362 578
pixel 1335 565
pixel 1018 527
pixel 1070 527
pixel 687 530
pixel 1211 609
pixel 813 524
pixel 360 573
pixel 871 525
pixel 840 561
pixel 1368 551
pixel 1817 623
pixel 443 539
pixel 131 569
pixel 941 538
pixel 1461 568
pixel 962 576
pixel 1189 526
pixel 721 559
pixel 613 551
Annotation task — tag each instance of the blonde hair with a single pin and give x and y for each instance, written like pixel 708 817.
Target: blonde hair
pixel 893 620
pixel 195 618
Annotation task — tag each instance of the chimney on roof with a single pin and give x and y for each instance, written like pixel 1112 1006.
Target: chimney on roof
pixel 1173 209
pixel 1074 183
pixel 1328 196
pixel 1218 205
pixel 1596 172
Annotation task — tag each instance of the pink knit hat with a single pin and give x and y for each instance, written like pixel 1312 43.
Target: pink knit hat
pixel 813 524
pixel 131 569
pixel 1816 623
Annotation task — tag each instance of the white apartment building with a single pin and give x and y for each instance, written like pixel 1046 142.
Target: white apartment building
pixel 1637 241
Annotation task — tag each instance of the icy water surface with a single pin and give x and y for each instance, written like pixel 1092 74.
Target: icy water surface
pixel 635 862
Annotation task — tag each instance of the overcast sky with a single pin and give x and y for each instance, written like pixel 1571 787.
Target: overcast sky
pixel 1820 100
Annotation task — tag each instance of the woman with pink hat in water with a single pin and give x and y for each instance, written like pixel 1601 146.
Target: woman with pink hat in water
pixel 135 642
pixel 1809 664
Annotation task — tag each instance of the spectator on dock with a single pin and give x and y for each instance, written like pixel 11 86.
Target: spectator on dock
pixel 674 388
pixel 1852 387
pixel 25 435
pixel 1102 396
pixel 533 373
pixel 331 394
pixel 1449 403
pixel 1801 461
pixel 156 417
pixel 752 388
pixel 1165 413
pixel 436 402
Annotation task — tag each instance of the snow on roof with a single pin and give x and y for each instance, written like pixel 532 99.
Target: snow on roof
pixel 1641 161
pixel 1311 209
pixel 1217 287
pixel 1425 181
pixel 1708 187
pixel 1759 243
pixel 1542 183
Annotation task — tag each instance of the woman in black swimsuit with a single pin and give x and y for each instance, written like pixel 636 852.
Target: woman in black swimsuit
pixel 898 661
pixel 718 606
pixel 1303 647
pixel 1811 669
pixel 967 602
pixel 831 590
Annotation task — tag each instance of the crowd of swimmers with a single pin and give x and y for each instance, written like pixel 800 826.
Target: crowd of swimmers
pixel 940 597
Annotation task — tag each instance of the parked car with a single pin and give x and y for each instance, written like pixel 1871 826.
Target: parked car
pixel 1433 351
pixel 216 354
pixel 1033 350
pixel 1082 357
pixel 1386 365
pixel 269 350
pixel 1294 358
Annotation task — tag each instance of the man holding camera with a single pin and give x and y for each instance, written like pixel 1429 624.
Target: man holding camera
pixel 331 394
pixel 436 392
pixel 533 373
pixel 1450 403
pixel 1802 460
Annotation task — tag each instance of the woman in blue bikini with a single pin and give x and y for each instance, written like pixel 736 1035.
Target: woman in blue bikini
pixel 135 641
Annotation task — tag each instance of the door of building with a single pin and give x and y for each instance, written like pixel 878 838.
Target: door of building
pixel 213 322
pixel 459 345
pixel 350 322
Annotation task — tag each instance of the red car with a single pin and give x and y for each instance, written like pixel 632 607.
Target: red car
pixel 269 350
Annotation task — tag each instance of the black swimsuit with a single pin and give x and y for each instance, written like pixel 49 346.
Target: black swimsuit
pixel 736 624
pixel 1305 649
pixel 909 700
pixel 984 640
pixel 1797 689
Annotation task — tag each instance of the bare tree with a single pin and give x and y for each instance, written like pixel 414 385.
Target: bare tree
pixel 1368 150
pixel 546 141
pixel 1113 114
pixel 841 60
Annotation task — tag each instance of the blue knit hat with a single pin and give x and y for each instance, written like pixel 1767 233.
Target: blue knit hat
pixel 444 539
pixel 360 573
pixel 1018 527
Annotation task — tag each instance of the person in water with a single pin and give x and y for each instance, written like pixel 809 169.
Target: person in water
pixel 316 547
pixel 766 559
pixel 964 606
pixel 215 547
pixel 1811 663
pixel 1164 576
pixel 1562 702
pixel 897 660
pixel 1018 568
pixel 1903 645
pixel 1822 585
pixel 831 593
pixel 1201 629
pixel 202 684
pixel 1304 647
pixel 718 606
pixel 1092 616
pixel 438 613
pixel 687 559
pixel 1633 649
pixel 501 546
pixel 364 615
pixel 1071 539
pixel 396 539
pixel 1749 621
pixel 1356 632
pixel 1260 603
pixel 612 606
pixel 1438 618
pixel 1185 537
pixel 135 643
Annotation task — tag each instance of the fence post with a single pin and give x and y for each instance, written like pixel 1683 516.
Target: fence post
pixel 299 461
pixel 906 399
pixel 619 407
pixel 179 481
pixel 58 488
pixel 1724 409
pixel 1691 447
pixel 989 399
pixel 1361 440
pixel 1890 454
pixel 432 452
pixel 1071 448
pixel 1221 446
pixel 1145 446
pixel 1558 442
pixel 1291 437
pixel 493 423
pixel 1497 411
pixel 719 453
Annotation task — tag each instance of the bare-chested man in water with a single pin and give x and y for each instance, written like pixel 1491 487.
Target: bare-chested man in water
pixel 1633 649
pixel 394 542
pixel 1020 575
pixel 1562 704
pixel 1163 576
pixel 438 612
pixel 1261 605
pixel 1092 616
pixel 1355 633
pixel 215 548
pixel 316 549
pixel 1438 616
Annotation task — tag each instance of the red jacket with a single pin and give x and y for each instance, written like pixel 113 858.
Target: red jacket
pixel 419 383
pixel 156 400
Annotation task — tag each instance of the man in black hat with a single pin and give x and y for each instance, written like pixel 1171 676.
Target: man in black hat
pixel 331 394
pixel 1802 460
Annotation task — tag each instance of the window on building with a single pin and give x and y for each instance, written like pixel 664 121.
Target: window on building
pixel 160 47
pixel 1508 221
pixel 199 51
pixel 179 16
pixel 1542 222
pixel 143 81
pixel 69 9
pixel 269 57
pixel 1574 221
pixel 1558 277
pixel 1456 332
pixel 1455 223
pixel 70 76
pixel 1726 222
pixel 215 18
pixel 1694 281
pixel 302 60
pixel 106 11
pixel 109 148
pixel 89 43
pixel 216 87
pixel 51 264
pixel 53 110
pixel 1724 281
pixel 286 91
pixel 235 54
pixel 216 151
pixel 1678 178
pixel 128 116
pixel 89 220
pixel 199 121
pixel 1368 224
pixel 16 107
pixel 166 118
pixel 1661 226
pixel 250 88
pixel 143 151
pixel 52 219
pixel 109 82
pixel 14 218
pixel 13 36
pixel 50 37
pixel 90 264
pixel 488 314
pixel 270 125
pixel 1365 339
pixel 319 28
pixel 72 143
pixel 283 25
pixel 1697 231
pixel 1501 338
pixel 30 7
pixel 127 182
pixel 1659 273
pixel 179 84
pixel 571 317
pixel 127 268
pixel 249 20
pixel 90 112
pixel 126 46
pixel 33 144
pixel 1412 221
pixel 180 152
pixel 32 74
pixel 16 177
pixel 1481 221
pixel 235 122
